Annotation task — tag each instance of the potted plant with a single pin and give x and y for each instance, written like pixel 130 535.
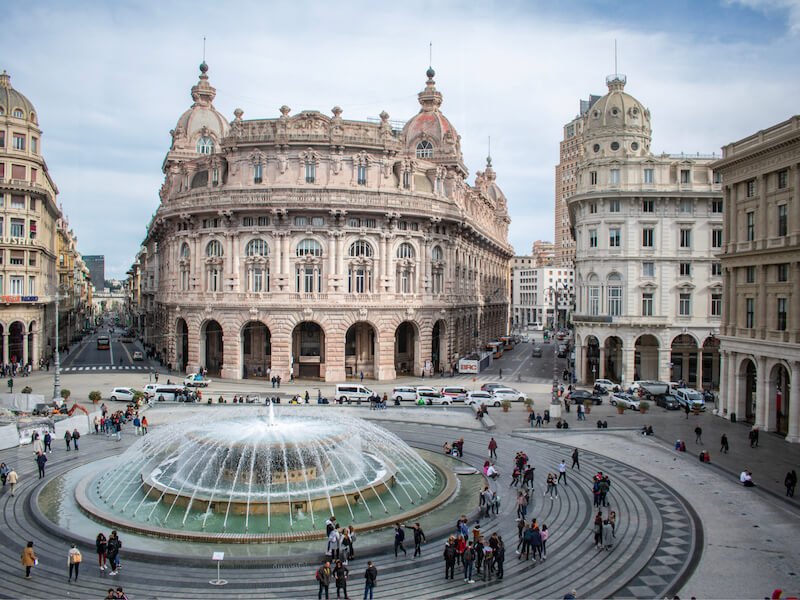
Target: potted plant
pixel 587 407
pixel 65 394
pixel 506 404
pixel 644 406
pixel 138 396
pixel 529 404
pixel 621 409
pixel 27 390
pixel 95 396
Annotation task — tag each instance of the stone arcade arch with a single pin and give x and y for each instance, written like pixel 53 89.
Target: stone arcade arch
pixel 16 341
pixel 308 350
pixel 612 361
pixel 361 350
pixel 211 347
pixel 683 356
pixel 592 359
pixel 748 378
pixel 256 350
pixel 645 357
pixel 439 358
pixel 406 348
pixel 709 364
pixel 779 395
pixel 181 345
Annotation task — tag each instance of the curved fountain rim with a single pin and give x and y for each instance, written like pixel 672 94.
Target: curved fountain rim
pixel 86 506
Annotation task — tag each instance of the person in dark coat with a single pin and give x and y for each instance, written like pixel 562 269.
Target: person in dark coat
pixel 76 435
pixel 449 560
pixel 324 578
pixel 113 547
pixel 500 557
pixel 68 438
pixel 340 572
pixel 399 537
pixel 790 482
pixel 370 579
pixel 419 538
pixel 41 459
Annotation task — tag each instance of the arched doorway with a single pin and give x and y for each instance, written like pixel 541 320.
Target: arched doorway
pixel 211 339
pixel 181 345
pixel 710 363
pixel 31 333
pixel 645 358
pixel 256 350
pixel 405 348
pixel 592 359
pixel 16 339
pixel 683 357
pixel 359 350
pixel 748 374
pixel 779 397
pixel 308 351
pixel 439 347
pixel 613 359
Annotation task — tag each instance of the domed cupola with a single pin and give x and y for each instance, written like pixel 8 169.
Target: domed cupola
pixel 429 135
pixel 617 125
pixel 201 128
pixel 13 104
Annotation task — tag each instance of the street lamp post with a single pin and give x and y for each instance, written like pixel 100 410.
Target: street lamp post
pixel 57 375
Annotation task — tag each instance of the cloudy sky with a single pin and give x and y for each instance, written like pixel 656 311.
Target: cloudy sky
pixel 110 79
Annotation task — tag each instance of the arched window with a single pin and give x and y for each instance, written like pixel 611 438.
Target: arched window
pixel 594 295
pixel 257 247
pixel 309 247
pixel 614 290
pixel 360 248
pixel 205 145
pixel 405 250
pixel 214 248
pixel 436 254
pixel 19 114
pixel 424 149
pixel 185 250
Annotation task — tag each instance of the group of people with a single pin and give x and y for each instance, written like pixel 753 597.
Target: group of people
pixel 476 555
pixel 339 574
pixel 107 550
pixel 341 541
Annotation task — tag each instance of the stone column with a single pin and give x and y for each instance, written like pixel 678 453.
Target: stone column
pixel 25 348
pixel 793 434
pixel 231 351
pixel 762 389
pixel 278 254
pixel 229 272
pixel 282 349
pixel 793 310
pixel 580 366
pixel 334 355
pixel 384 360
pixel 602 365
pixel 628 360
pixel 5 344
pixel 699 370
pixel 722 402
pixel 194 358
pixel 198 266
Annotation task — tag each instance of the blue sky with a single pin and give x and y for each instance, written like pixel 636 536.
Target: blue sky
pixel 110 79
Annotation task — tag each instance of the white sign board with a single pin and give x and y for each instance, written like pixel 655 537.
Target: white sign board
pixel 467 366
pixel 218 556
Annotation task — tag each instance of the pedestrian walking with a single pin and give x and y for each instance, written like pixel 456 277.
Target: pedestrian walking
pixel 493 449
pixel 370 579
pixel 399 537
pixel 500 557
pixel 562 472
pixel 723 444
pixel 552 486
pixel 41 459
pixel 515 477
pixel 449 556
pixel 598 530
pixel 527 478
pixel 113 547
pixel 500 375
pixel 686 409
pixel 575 462
pixel 12 480
pixel 323 576
pixel 144 425
pixel 76 435
pixel 74 559
pixel 790 482
pixel 4 471
pixel 340 573
pixel 101 546
pixel 698 435
pixel 469 560
pixel 48 442
pixel 545 533
pixel 29 559
pixel 419 538
pixel 68 438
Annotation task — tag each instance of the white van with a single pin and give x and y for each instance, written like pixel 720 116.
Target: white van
pixel 404 393
pixel 162 392
pixel 352 392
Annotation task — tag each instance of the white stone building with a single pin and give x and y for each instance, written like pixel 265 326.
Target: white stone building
pixel 319 247
pixel 648 231
pixel 535 290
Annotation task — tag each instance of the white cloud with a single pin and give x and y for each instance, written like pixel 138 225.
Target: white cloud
pixel 790 7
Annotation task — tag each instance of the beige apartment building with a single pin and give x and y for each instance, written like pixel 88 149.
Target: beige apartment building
pixel 761 263
pixel 313 246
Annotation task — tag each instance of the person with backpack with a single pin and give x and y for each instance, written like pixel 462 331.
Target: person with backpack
pixel 323 576
pixel 113 547
pixel 76 435
pixel 399 537
pixel 68 438
pixel 74 559
pixel 469 560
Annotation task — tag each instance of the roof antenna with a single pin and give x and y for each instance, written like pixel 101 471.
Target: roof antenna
pixel 430 54
pixel 204 48
pixel 489 157
pixel 615 57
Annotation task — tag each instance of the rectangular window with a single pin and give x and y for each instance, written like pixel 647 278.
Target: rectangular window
pixel 2 233
pixel 32 229
pixel 32 258
pixel 686 269
pixel 647 304
pixel 593 238
pixel 18 172
pixel 593 177
pixel 300 221
pixel 17 257
pixel 317 221
pixel 783 269
pixel 594 300
pixel 248 221
pixel 18 228
pixel 685 205
pixel 614 238
pixel 648 269
pixel 31 286
pixel 263 221
pixel 648 176
pixel 615 301
pixel 34 146
pixel 750 274
pixel 613 177
pixel 783 223
pixel 716 238
pixel 19 141
pixel 2 139
pixel 647 237
pixel 613 205
pixel 17 286
pixel 716 305
pixel 2 289
pixel 783 179
pixel 215 176
pixel 751 188
pixel 716 206
pixel 2 170
pixel 34 174
pixel 406 180
pixel 686 176
pixel 750 225
pixel 311 172
pixel 18 202
pixel 362 175
pixel 257 173
pixel 369 223
pixel 593 208
pixel 781 309
pixel 749 313
pixel 686 238
pixel 685 305
pixel 648 205
pixel 354 222
pixel 716 269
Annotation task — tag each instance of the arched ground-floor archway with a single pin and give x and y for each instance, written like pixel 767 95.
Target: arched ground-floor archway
pixel 748 382
pixel 645 358
pixel 360 350
pixel 181 345
pixel 308 351
pixel 683 356
pixel 612 361
pixel 406 348
pixel 16 341
pixel 211 347
pixel 439 357
pixel 779 393
pixel 592 366
pixel 709 364
pixel 256 350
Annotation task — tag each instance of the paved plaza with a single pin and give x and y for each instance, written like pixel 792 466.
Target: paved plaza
pixel 684 527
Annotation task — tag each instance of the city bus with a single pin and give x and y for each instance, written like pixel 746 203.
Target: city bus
pixel 103 342
pixel 508 342
pixel 496 348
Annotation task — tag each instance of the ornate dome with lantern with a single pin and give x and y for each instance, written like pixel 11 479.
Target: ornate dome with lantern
pixel 13 104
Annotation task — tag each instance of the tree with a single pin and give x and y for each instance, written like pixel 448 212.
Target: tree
pixel 95 396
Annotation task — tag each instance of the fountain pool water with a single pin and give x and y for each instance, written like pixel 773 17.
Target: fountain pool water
pixel 259 476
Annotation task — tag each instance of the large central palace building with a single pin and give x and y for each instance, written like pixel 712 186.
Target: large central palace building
pixel 321 247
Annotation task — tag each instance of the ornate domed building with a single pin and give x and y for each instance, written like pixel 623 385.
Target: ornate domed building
pixel 321 247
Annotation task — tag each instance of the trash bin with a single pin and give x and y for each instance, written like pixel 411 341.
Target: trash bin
pixel 733 417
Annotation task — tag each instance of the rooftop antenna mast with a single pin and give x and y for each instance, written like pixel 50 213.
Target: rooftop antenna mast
pixel 489 156
pixel 615 57
pixel 204 48
pixel 430 54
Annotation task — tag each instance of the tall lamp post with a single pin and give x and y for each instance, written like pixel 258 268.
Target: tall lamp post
pixel 57 375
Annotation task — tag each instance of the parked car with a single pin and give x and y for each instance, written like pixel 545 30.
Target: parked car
pixel 584 397
pixel 623 399
pixel 455 393
pixel 507 393
pixel 562 351
pixel 196 380
pixel 162 392
pixel 400 393
pixel 606 384
pixel 537 352
pixel 654 388
pixel 121 393
pixel 490 387
pixel 137 355
pixel 667 401
pixel 349 392
pixel 691 397
pixel 428 395
pixel 481 397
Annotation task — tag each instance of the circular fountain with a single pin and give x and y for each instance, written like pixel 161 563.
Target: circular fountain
pixel 256 476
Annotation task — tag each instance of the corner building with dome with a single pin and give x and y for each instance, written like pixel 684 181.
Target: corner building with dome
pixel 320 247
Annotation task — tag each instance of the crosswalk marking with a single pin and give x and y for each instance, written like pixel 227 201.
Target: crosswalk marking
pixel 89 368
